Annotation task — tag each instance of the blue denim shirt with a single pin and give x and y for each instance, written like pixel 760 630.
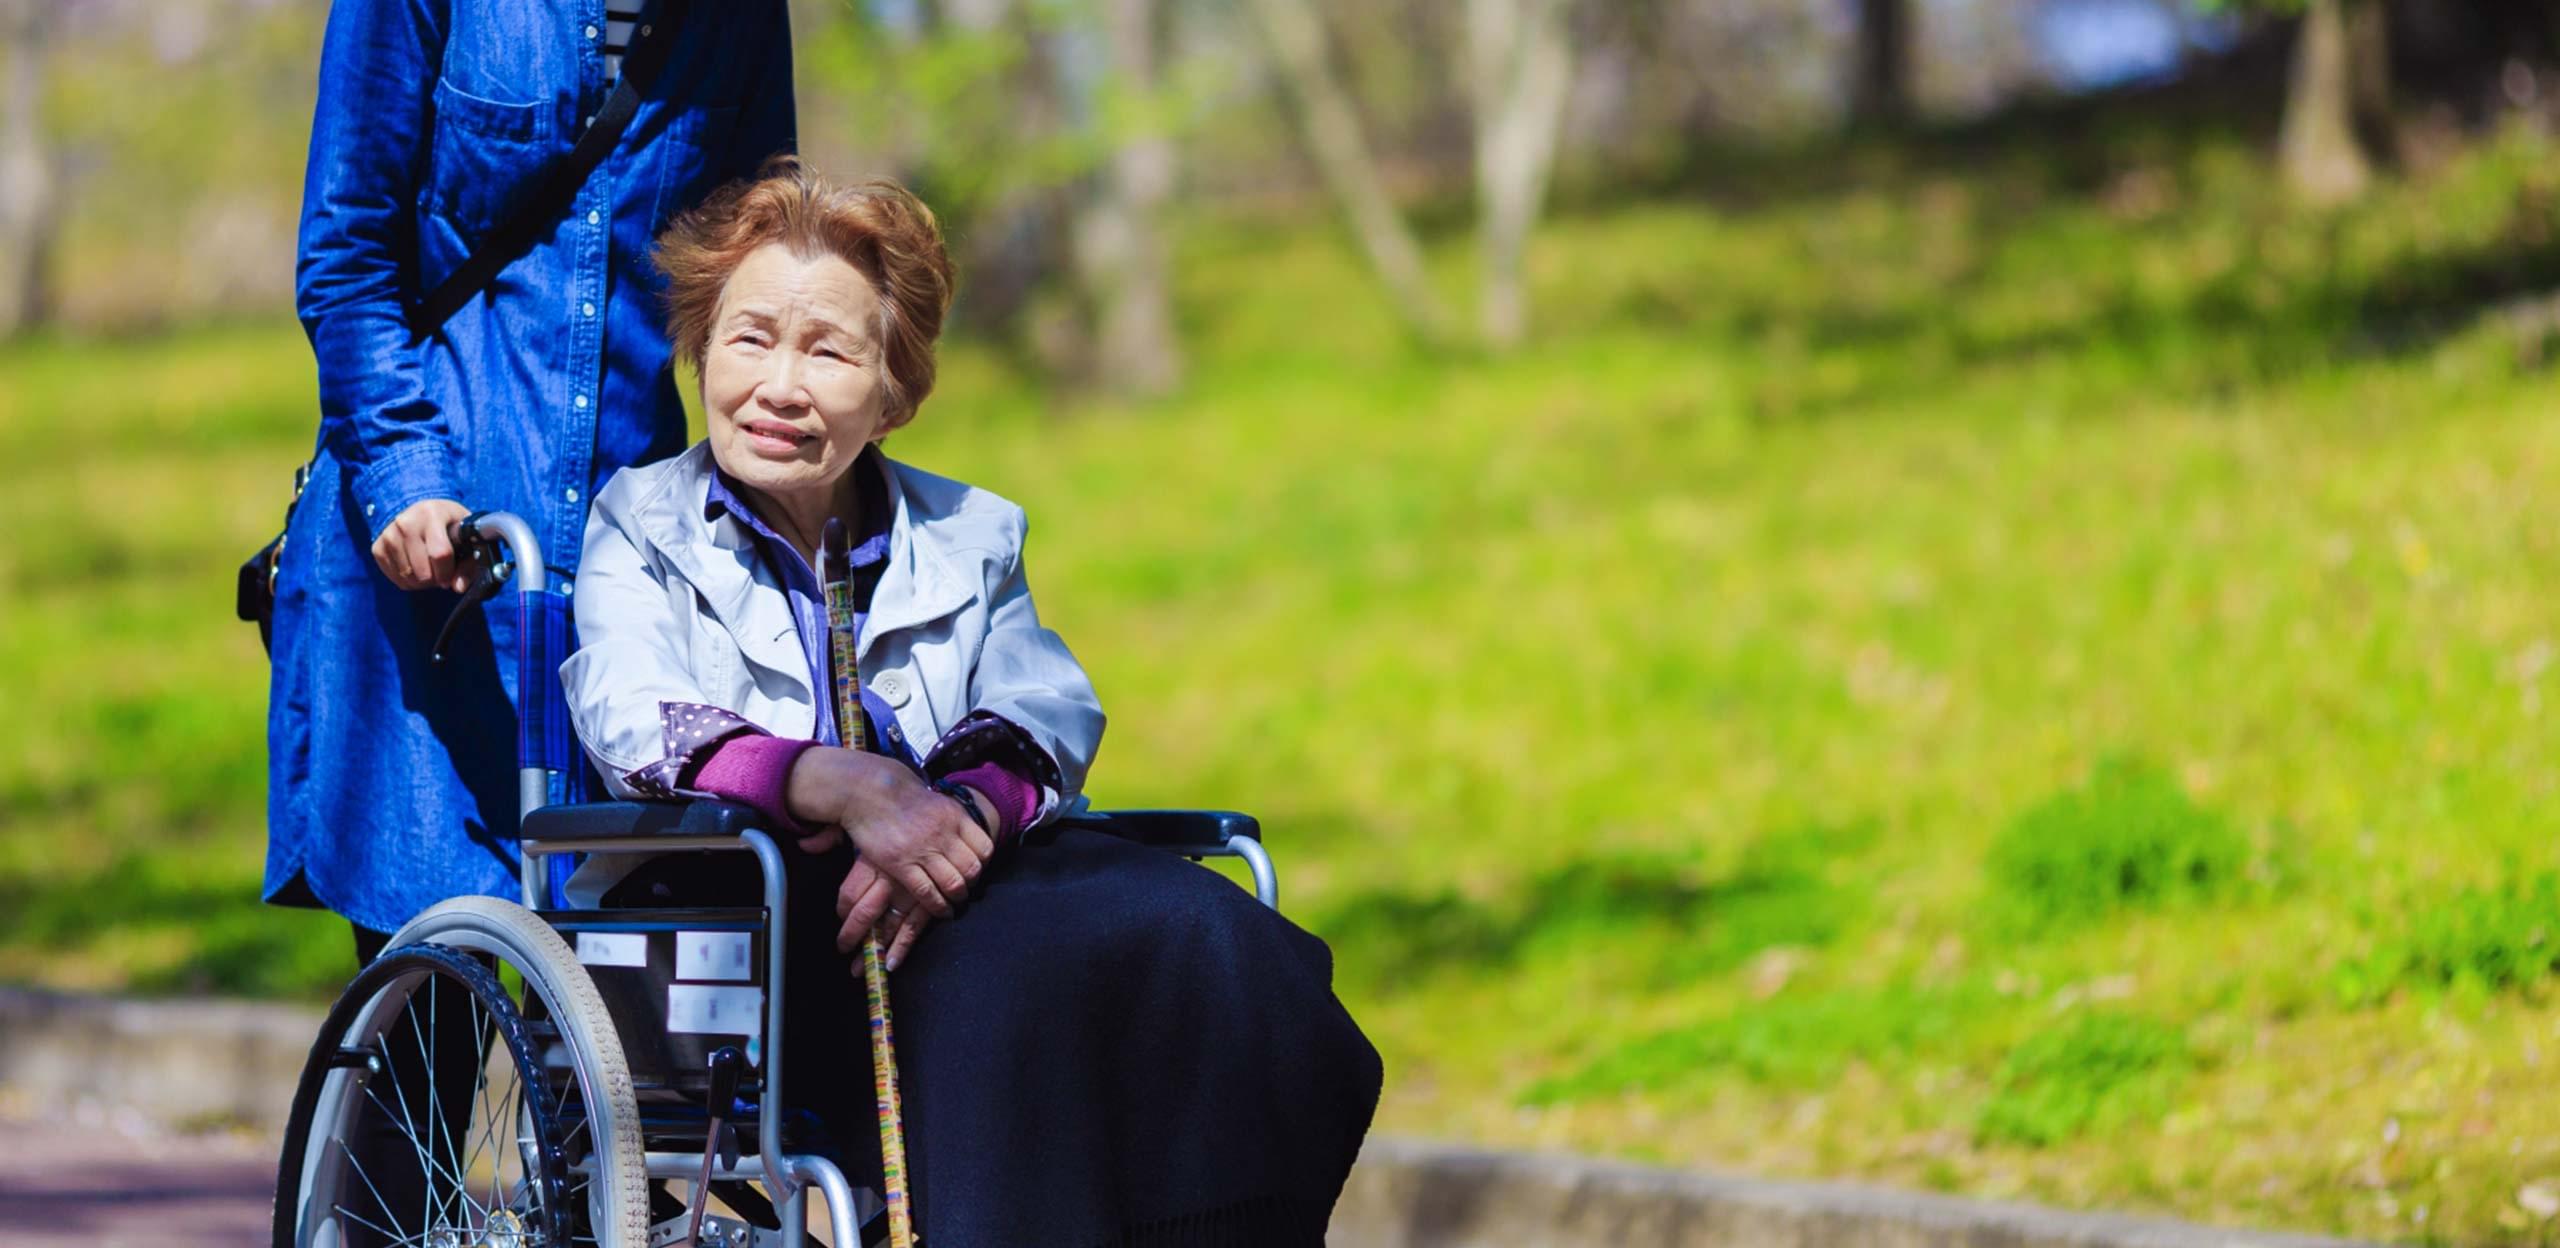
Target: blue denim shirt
pixel 390 779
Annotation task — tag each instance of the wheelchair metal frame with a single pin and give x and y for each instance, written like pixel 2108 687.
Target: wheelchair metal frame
pixel 786 1176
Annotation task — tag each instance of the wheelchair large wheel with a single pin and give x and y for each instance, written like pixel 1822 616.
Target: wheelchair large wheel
pixel 446 1106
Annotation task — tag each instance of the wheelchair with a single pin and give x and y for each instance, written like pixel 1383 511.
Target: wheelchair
pixel 538 1073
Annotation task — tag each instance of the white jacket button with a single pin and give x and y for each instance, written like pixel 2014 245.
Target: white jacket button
pixel 892 688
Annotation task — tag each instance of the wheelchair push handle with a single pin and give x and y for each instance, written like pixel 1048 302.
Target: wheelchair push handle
pixel 503 548
pixel 504 545
pixel 490 542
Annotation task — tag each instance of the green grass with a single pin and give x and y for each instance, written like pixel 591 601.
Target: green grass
pixel 2131 839
pixel 2027 686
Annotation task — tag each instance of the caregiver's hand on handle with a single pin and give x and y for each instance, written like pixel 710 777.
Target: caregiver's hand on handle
pixel 416 549
pixel 915 846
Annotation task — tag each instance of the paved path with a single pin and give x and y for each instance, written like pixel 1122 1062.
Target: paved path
pixel 66 1183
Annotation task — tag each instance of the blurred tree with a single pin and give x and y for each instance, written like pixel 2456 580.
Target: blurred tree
pixel 1120 250
pixel 1519 72
pixel 30 179
pixel 1332 129
pixel 1880 85
pixel 1042 132
pixel 1521 65
pixel 2337 107
pixel 960 99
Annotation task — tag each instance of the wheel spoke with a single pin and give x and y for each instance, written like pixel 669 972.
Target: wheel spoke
pixel 343 1211
pixel 409 1129
pixel 378 1201
pixel 428 1164
pixel 480 1047
pixel 408 1121
pixel 458 1202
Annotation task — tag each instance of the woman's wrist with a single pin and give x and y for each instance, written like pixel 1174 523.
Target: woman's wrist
pixel 830 784
pixel 975 806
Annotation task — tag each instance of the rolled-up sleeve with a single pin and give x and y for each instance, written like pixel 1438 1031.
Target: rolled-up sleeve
pixel 357 268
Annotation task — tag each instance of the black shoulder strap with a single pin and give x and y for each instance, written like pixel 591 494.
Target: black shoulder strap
pixel 559 188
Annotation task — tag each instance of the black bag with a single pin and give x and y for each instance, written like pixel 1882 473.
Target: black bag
pixel 256 601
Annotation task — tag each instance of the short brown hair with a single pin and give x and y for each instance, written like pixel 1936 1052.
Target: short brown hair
pixel 878 227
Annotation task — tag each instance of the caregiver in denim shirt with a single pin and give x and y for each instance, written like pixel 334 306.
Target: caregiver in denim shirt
pixel 391 780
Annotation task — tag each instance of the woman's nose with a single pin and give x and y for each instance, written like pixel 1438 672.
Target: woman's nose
pixel 784 380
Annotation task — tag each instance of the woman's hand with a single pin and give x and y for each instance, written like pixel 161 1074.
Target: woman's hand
pixel 913 840
pixel 416 548
pixel 869 903
pixel 899 929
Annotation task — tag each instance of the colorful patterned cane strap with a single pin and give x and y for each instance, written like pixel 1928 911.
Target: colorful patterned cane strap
pixel 847 679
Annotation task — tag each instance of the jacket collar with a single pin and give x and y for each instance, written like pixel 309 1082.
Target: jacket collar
pixel 719 558
pixel 920 585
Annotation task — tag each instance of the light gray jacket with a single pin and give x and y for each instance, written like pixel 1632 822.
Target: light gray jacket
pixel 672 607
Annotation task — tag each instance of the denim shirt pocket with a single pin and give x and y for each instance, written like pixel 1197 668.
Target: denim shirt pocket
pixel 483 154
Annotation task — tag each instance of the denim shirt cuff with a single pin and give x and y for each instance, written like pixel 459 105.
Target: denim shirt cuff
pixel 395 482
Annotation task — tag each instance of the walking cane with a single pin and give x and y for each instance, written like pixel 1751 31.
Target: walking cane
pixel 838 562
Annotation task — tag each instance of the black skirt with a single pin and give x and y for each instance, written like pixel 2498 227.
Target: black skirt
pixel 1109 1046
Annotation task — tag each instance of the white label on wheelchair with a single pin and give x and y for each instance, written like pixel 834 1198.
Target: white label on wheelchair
pixel 702 1009
pixel 715 955
pixel 613 948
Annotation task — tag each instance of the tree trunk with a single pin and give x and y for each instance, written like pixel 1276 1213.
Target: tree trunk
pixel 1019 236
pixel 2323 157
pixel 1342 157
pixel 30 185
pixel 1521 66
pixel 1880 90
pixel 2369 73
pixel 1119 242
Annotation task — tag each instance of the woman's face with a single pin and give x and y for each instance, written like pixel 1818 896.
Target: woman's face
pixel 792 380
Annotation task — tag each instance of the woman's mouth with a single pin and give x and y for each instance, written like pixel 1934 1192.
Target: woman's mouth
pixel 774 438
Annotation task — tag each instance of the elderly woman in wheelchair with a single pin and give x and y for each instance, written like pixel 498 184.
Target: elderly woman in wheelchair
pixel 1097 1042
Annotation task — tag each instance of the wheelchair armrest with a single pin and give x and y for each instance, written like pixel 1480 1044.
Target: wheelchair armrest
pixel 1168 829
pixel 604 821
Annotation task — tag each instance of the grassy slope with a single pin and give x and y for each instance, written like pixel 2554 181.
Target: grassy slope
pixel 1638 714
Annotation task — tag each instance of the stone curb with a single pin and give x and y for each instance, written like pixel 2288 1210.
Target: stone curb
pixel 196 1062
pixel 178 1063
pixel 1421 1194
